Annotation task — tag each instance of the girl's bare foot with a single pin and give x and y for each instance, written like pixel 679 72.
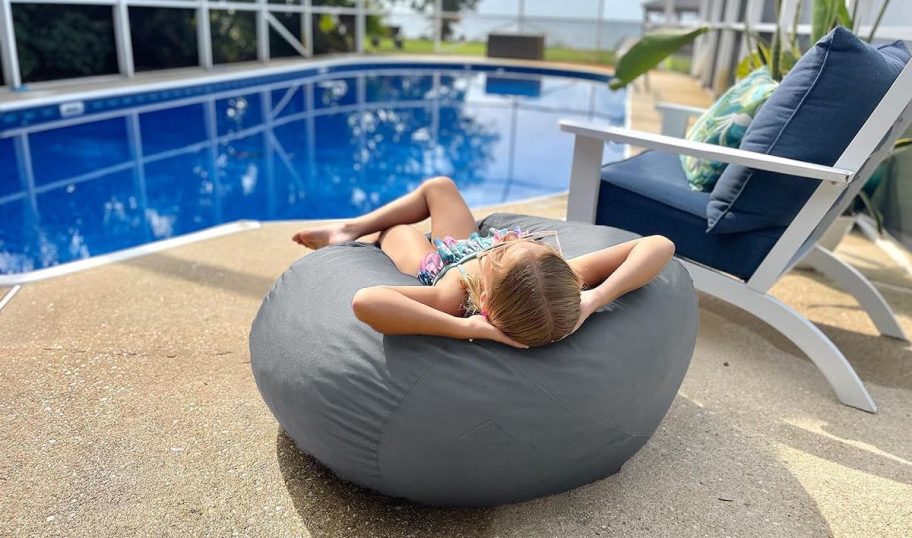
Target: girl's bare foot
pixel 330 234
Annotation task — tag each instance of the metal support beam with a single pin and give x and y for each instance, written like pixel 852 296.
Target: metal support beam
pixel 598 28
pixel 708 50
pixel 307 28
pixel 8 55
pixel 262 31
pixel 204 35
pixel 438 24
pixel 521 16
pixel 723 74
pixel 670 13
pixel 700 42
pixel 753 15
pixel 360 27
pixel 286 35
pixel 123 39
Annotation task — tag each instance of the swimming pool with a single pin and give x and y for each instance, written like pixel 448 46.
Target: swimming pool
pixel 90 175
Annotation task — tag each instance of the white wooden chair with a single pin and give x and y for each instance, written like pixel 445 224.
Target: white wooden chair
pixel 840 183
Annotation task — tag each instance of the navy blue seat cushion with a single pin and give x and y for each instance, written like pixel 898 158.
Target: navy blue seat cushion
pixel 648 194
pixel 658 175
pixel 813 116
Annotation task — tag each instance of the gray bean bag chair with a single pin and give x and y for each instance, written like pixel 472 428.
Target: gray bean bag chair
pixel 451 422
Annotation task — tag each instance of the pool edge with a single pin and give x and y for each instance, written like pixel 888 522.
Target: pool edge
pixel 68 268
pixel 18 279
pixel 211 77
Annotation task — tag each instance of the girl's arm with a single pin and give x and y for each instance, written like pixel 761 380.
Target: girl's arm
pixel 420 310
pixel 613 271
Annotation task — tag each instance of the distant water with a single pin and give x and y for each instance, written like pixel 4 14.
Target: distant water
pixel 573 33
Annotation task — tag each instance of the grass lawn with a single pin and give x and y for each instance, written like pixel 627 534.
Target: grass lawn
pixel 478 48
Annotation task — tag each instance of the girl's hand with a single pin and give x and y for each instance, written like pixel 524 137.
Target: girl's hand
pixel 479 327
pixel 588 305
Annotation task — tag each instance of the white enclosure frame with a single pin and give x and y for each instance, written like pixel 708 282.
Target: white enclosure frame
pixel 265 20
pixel 840 183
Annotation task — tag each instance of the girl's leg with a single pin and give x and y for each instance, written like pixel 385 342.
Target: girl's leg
pixel 436 198
pixel 406 246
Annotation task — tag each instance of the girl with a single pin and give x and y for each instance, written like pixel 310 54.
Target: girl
pixel 525 292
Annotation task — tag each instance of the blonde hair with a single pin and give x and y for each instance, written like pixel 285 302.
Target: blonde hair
pixel 534 298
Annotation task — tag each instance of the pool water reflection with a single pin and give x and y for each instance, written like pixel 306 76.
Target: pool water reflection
pixel 326 146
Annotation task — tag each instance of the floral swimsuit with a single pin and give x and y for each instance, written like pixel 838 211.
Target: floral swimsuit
pixel 454 252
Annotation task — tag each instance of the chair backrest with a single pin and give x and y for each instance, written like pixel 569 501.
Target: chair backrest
pixel 869 147
pixel 812 116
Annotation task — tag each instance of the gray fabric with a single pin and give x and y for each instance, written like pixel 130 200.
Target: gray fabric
pixel 444 421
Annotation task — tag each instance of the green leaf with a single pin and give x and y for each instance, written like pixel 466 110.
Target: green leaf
pixel 793 39
pixel 872 211
pixel 327 23
pixel 747 65
pixel 788 60
pixel 764 51
pixel 649 51
pixel 901 145
pixel 842 15
pixel 760 40
pixel 823 14
pixel 776 50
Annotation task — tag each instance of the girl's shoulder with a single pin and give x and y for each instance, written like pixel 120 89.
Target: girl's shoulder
pixel 451 294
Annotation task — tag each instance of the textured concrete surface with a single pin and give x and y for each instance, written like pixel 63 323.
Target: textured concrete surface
pixel 127 407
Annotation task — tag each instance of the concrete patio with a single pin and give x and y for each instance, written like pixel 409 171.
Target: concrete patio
pixel 129 408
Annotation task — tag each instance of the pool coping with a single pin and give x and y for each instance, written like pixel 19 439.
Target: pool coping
pixel 323 66
pixel 17 279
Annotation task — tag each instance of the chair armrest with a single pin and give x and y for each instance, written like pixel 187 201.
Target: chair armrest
pixel 750 159
pixel 675 118
pixel 674 108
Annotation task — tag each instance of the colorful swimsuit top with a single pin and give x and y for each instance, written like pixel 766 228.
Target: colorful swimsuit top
pixel 454 252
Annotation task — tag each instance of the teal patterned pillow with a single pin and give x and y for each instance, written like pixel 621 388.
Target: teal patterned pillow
pixel 724 124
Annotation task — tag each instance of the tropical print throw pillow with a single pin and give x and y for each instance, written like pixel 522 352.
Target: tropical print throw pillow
pixel 724 124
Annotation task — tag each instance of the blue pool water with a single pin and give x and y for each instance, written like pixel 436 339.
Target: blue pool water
pixel 309 145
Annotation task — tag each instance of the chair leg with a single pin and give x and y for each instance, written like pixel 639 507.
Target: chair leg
pixel 851 280
pixel 821 350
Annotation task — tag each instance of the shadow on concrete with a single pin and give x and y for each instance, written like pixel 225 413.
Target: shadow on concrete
pixel 877 359
pixel 871 263
pixel 848 447
pixel 213 276
pixel 701 473
pixel 330 506
pixel 698 471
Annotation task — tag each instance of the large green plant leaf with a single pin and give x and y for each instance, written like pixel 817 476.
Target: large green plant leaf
pixel 649 51
pixel 823 15
pixel 748 64
pixel 842 15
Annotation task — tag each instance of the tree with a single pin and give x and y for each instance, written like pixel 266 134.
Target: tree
pixel 453 7
pixel 64 41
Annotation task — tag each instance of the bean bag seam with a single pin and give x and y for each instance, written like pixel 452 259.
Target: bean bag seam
pixel 392 412
pixel 565 405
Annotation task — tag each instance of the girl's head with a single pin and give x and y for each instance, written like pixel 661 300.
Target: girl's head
pixel 528 291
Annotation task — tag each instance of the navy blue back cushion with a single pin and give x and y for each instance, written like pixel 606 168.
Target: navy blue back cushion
pixel 813 116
